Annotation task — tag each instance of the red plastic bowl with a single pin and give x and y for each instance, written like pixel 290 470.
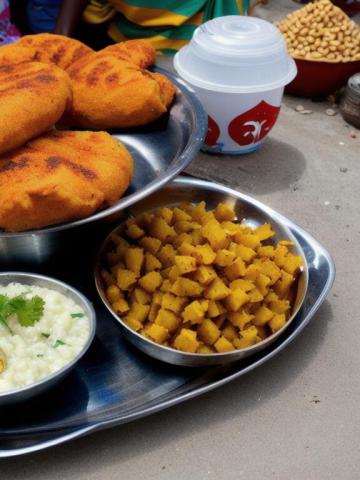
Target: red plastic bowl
pixel 318 79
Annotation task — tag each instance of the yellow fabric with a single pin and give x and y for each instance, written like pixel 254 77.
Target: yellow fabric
pixel 97 12
pixel 149 17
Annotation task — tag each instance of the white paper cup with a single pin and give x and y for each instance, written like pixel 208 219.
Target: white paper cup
pixel 238 66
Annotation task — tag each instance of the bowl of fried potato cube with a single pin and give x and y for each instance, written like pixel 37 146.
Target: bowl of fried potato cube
pixel 197 283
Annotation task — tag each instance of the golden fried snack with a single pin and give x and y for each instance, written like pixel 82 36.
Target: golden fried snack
pixel 50 48
pixel 33 97
pixel 139 52
pixel 14 54
pixel 61 176
pixel 109 92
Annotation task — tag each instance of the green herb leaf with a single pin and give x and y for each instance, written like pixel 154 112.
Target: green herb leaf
pixel 40 355
pixel 46 335
pixel 5 311
pixel 58 343
pixel 77 315
pixel 28 311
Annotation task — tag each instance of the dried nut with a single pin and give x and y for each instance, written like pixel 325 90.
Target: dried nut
pixel 321 31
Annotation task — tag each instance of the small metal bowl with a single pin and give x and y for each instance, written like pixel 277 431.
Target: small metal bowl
pixel 30 391
pixel 254 213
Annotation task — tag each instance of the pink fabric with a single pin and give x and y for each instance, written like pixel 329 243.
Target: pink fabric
pixel 8 32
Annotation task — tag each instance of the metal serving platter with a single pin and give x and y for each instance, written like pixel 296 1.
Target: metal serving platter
pixel 160 150
pixel 114 383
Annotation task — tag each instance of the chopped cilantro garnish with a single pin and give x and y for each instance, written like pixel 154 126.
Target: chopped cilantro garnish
pixel 28 312
pixel 58 343
pixel 40 355
pixel 46 335
pixel 77 315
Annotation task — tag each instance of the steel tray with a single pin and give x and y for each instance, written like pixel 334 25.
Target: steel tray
pixel 114 383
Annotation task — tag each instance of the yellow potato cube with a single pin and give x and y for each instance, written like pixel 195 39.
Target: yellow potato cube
pixel 270 269
pixel 120 306
pixel 150 244
pixel 215 309
pixel 168 320
pixel 215 235
pixel 193 313
pixel 125 278
pixel 158 333
pixel 235 270
pixel 217 290
pixel 180 216
pixel 204 254
pixel 283 285
pixel 196 237
pixel 230 332
pixel 220 320
pixel 154 308
pixel 151 281
pixel 132 323
pixel 134 258
pixel 266 251
pixel 174 273
pixel 185 264
pixel 157 298
pixel 223 213
pixel 166 213
pixel 281 252
pixel 230 228
pixel 262 283
pixel 277 322
pixel 182 238
pixel 279 306
pixel 292 264
pixel 208 332
pixel 134 231
pixel 264 232
pixel 252 272
pixel 167 255
pixel 138 311
pixel 245 285
pixel 262 316
pixel 204 304
pixel 141 296
pixel 204 349
pixel 240 319
pixel 247 240
pixel 107 277
pixel 224 258
pixel 185 226
pixel 236 299
pixel 186 248
pixel 186 341
pixel 255 296
pixel 113 293
pixel 204 274
pixel 248 338
pixel 173 303
pixel 184 287
pixel 223 345
pixel 161 230
pixel 246 253
pixel 165 272
pixel 165 286
pixel 151 262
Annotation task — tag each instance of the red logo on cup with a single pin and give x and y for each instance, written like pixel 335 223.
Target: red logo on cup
pixel 212 133
pixel 251 126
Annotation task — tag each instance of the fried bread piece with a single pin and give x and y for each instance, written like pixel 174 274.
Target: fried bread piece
pixel 51 48
pixel 61 176
pixel 109 92
pixel 33 97
pixel 139 52
pixel 14 53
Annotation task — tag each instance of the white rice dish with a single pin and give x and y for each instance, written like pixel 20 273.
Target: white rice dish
pixel 33 353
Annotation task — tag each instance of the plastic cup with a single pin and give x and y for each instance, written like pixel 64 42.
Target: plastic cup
pixel 238 66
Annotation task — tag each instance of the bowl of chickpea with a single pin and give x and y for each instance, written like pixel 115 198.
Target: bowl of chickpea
pixel 325 45
pixel 195 283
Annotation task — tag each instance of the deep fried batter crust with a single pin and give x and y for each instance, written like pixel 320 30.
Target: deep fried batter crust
pixel 61 176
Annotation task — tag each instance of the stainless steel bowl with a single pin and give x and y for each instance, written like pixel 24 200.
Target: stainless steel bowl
pixel 161 151
pixel 255 213
pixel 30 391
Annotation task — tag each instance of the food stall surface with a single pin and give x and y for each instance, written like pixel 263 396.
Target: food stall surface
pixel 296 417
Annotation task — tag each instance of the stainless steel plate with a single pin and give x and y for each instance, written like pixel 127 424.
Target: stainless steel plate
pixel 161 151
pixel 115 384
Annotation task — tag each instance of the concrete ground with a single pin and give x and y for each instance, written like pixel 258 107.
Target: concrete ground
pixel 298 416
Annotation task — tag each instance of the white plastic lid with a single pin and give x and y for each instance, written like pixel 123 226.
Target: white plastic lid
pixel 236 54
